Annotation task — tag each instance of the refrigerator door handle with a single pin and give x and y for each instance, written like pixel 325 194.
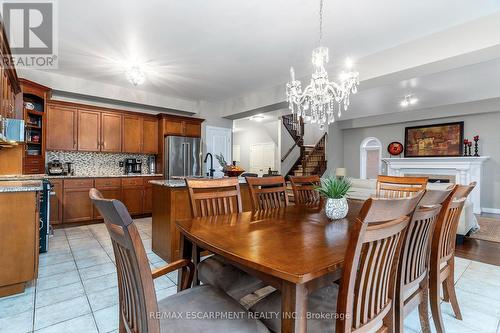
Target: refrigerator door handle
pixel 188 153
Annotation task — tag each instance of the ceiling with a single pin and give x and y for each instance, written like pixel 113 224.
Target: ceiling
pixel 215 50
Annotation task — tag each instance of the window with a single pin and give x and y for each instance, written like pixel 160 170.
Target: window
pixel 370 158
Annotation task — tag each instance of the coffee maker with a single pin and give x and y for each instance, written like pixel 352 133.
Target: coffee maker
pixel 133 166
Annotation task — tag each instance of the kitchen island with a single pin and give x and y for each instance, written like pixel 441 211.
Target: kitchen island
pixel 171 203
pixel 19 234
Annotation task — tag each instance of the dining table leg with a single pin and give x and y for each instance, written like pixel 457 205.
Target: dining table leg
pixel 186 253
pixel 293 308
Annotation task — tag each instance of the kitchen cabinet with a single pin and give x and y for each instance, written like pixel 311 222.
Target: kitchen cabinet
pixel 89 130
pixel 181 126
pixel 77 206
pixel 192 129
pixel 133 194
pixel 110 188
pixel 148 195
pixel 111 132
pixel 56 202
pixel 150 136
pixel 19 239
pixel 132 138
pixel 62 127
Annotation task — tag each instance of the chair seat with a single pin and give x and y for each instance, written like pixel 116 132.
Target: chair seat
pixel 322 306
pixel 215 271
pixel 189 311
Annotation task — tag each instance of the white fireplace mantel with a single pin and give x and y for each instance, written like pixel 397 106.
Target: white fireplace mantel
pixel 465 169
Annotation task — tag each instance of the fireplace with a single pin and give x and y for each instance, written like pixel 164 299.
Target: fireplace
pixel 459 170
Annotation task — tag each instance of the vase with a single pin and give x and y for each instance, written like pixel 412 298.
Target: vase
pixel 336 209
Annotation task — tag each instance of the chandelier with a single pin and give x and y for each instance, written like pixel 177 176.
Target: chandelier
pixel 318 102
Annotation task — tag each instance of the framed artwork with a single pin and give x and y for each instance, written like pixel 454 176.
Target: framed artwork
pixel 440 140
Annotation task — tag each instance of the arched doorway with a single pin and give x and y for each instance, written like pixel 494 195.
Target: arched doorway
pixel 370 158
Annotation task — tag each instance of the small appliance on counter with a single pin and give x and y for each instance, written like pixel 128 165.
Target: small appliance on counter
pixel 152 164
pixel 133 166
pixel 69 168
pixel 55 168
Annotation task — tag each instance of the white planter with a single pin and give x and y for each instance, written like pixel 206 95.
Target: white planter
pixel 336 209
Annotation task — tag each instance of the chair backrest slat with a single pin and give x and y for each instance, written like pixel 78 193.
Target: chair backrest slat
pixel 137 296
pixel 304 189
pixel 399 187
pixel 267 192
pixel 443 241
pixel 368 281
pixel 414 263
pixel 210 197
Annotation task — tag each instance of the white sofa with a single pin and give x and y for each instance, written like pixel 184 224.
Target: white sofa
pixel 365 188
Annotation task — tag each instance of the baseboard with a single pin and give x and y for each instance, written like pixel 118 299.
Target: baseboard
pixel 491 210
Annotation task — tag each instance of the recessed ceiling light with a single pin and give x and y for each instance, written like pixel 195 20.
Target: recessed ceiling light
pixel 409 100
pixel 257 117
pixel 135 75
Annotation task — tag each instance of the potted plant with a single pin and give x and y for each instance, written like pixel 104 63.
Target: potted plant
pixel 335 191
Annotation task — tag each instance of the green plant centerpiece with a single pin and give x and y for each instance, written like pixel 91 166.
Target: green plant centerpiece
pixel 335 190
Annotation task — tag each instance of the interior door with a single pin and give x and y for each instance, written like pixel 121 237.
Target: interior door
pixel 262 157
pixel 218 141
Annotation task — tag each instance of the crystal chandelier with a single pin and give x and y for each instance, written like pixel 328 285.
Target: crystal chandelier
pixel 318 102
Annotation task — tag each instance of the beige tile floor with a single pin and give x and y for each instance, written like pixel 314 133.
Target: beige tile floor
pixel 77 289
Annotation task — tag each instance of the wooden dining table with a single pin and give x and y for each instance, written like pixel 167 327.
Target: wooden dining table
pixel 296 249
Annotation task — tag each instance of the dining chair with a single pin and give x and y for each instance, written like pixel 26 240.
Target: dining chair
pixel 304 189
pixel 412 278
pixel 211 197
pixel 399 187
pixel 267 192
pixel 139 309
pixel 363 302
pixel 442 262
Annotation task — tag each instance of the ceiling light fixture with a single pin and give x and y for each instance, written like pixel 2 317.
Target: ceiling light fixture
pixel 316 103
pixel 409 100
pixel 257 117
pixel 135 75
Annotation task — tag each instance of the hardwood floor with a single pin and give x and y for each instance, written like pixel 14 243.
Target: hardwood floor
pixel 479 250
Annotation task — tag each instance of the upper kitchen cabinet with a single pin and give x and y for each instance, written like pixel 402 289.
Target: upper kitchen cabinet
pixel 181 126
pixel 149 135
pixel 62 127
pixel 89 130
pixel 132 139
pixel 111 132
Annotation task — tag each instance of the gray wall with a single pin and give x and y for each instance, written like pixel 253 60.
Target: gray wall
pixel 487 125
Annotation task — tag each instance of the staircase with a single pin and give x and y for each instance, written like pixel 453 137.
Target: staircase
pixel 312 159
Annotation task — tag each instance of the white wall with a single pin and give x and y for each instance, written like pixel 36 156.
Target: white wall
pixel 255 132
pixel 486 125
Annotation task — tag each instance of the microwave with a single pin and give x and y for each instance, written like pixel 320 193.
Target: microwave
pixel 14 129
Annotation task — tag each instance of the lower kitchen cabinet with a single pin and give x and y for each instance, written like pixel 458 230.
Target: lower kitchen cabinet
pixel 77 206
pixel 71 203
pixel 108 193
pixel 56 202
pixel 132 198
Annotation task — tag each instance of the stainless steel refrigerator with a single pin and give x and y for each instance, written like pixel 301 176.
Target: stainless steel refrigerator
pixel 182 157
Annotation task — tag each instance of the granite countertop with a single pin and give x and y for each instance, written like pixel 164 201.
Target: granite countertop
pixel 181 182
pixel 45 176
pixel 20 186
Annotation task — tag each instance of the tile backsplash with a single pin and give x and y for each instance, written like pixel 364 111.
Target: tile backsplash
pixel 96 164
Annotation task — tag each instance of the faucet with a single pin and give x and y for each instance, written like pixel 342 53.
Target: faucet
pixel 211 174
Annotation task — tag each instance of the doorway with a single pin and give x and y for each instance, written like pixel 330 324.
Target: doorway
pixel 262 157
pixel 218 141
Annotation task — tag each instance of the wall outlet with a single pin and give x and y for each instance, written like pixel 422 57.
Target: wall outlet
pixel 120 164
